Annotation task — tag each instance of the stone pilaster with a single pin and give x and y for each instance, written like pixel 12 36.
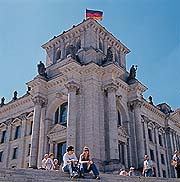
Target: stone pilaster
pixel 72 113
pixel 22 143
pixel 51 147
pixel 7 145
pixel 112 120
pixel 38 103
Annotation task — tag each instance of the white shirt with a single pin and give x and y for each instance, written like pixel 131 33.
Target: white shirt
pixel 49 164
pixel 148 164
pixel 68 157
pixel 43 163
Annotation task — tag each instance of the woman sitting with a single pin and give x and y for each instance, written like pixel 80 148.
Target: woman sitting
pixel 86 164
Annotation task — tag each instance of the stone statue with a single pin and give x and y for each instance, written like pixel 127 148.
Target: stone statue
pixel 2 101
pixel 15 95
pixel 132 74
pixel 42 69
pixel 28 90
pixel 151 100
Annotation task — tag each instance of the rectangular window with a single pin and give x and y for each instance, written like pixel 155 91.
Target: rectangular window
pixel 31 126
pixel 1 156
pixel 15 153
pixel 56 116
pixel 152 155
pixel 160 140
pixel 61 150
pixel 29 149
pixel 3 138
pixel 162 159
pixel 150 135
pixel 18 132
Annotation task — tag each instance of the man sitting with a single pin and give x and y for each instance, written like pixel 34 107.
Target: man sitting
pixel 70 162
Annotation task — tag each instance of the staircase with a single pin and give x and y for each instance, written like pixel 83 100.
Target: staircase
pixel 32 175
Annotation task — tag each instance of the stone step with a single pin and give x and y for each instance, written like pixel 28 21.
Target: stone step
pixel 31 175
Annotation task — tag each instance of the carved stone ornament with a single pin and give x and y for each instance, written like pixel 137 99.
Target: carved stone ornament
pixel 135 104
pixel 111 87
pixel 72 86
pixel 39 100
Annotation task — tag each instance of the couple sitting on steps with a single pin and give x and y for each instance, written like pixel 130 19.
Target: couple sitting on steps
pixel 75 168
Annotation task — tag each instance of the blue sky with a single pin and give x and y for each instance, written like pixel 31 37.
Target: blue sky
pixel 149 28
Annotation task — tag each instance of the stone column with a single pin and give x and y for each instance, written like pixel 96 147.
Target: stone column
pixel 146 137
pixel 51 147
pixel 112 118
pixel 139 133
pixel 125 155
pixel 105 45
pixel 62 49
pixel 38 102
pixel 158 151
pixel 42 136
pixel 82 37
pixel 97 39
pixel 71 114
pixel 174 139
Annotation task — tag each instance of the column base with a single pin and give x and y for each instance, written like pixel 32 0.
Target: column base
pixel 112 165
pixel 33 167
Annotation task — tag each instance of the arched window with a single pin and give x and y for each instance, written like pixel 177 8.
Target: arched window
pixel 60 116
pixel 78 45
pixel 100 45
pixel 67 50
pixel 63 116
pixel 116 57
pixel 58 54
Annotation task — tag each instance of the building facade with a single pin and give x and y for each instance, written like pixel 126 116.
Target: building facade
pixel 86 97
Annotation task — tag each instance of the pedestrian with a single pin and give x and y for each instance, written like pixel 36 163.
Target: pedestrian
pixel 176 163
pixel 86 164
pixel 70 162
pixel 131 171
pixel 43 162
pixel 123 172
pixel 148 170
pixel 56 165
pixel 49 162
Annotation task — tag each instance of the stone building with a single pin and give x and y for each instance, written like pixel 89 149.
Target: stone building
pixel 86 97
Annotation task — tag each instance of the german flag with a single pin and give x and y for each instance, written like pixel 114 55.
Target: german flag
pixel 97 15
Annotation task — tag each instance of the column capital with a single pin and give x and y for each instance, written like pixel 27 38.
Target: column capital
pixel 111 87
pixel 135 104
pixel 72 86
pixel 39 100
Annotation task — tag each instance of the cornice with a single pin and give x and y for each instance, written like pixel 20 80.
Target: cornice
pixel 153 109
pixel 16 104
pixel 83 26
pixel 137 86
pixel 18 119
